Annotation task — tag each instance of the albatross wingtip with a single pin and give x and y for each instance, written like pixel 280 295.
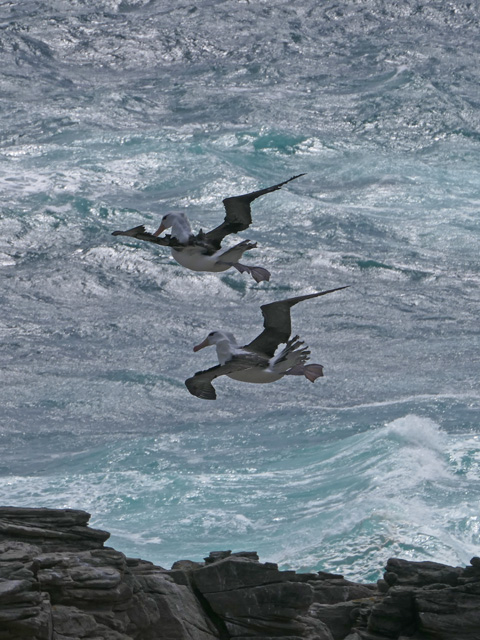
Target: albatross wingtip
pixel 130 232
pixel 204 391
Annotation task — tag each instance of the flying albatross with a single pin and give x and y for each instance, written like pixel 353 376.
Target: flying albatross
pixel 256 361
pixel 203 252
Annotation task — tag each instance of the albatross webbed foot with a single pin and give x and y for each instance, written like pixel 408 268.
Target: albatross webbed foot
pixel 259 274
pixel 310 371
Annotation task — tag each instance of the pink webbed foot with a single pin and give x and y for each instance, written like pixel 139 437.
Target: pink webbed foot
pixel 310 371
pixel 259 274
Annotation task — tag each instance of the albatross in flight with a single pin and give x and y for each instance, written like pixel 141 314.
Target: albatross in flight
pixel 256 361
pixel 203 252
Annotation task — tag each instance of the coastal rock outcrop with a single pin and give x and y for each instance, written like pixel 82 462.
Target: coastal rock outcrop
pixel 59 582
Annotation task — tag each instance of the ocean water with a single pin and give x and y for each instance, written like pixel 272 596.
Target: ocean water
pixel 116 111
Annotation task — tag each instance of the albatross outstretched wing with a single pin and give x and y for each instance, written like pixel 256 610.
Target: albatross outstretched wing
pixel 140 233
pixel 238 215
pixel 277 323
pixel 200 384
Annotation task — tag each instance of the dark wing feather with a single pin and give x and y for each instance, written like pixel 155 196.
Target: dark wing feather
pixel 238 216
pixel 141 234
pixel 277 323
pixel 200 384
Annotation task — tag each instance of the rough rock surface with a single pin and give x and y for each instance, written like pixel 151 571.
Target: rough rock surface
pixel 59 582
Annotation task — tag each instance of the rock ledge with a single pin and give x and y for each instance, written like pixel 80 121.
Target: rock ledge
pixel 59 582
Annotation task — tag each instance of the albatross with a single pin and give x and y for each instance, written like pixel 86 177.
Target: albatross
pixel 256 362
pixel 203 252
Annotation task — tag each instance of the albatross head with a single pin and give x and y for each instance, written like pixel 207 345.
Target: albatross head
pixel 225 343
pixel 178 222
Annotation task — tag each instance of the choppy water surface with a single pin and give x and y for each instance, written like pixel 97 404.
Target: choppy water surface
pixel 113 113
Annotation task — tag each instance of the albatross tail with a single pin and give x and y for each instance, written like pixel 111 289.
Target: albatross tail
pixel 294 354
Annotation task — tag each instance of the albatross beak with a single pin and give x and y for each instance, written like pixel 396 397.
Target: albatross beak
pixel 159 230
pixel 202 345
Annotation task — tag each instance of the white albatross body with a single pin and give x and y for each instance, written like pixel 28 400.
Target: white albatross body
pixel 256 376
pixel 193 259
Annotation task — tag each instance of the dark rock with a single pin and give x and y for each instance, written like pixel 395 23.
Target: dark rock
pixel 449 613
pixel 331 591
pixel 253 599
pixel 71 623
pixel 252 555
pixel 382 586
pixel 237 573
pixel 314 628
pixel 186 565
pixel 393 615
pixel 390 578
pixel 57 581
pixel 339 618
pixel 419 574
pixel 471 574
pixel 217 555
pixel 54 529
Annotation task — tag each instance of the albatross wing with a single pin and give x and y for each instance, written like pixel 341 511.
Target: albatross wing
pixel 200 384
pixel 277 323
pixel 238 213
pixel 141 234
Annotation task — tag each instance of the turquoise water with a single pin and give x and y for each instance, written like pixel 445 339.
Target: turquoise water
pixel 113 113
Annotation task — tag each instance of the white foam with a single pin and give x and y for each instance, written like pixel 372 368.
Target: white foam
pixel 418 431
pixel 6 260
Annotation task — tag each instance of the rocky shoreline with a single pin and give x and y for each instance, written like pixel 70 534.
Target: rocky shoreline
pixel 59 582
